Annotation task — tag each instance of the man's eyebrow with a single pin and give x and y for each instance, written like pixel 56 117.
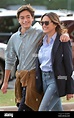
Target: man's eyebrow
pixel 23 16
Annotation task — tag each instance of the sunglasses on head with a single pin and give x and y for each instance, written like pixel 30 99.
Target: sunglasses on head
pixel 45 22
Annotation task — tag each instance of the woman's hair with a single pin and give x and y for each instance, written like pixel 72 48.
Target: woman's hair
pixel 27 7
pixel 60 28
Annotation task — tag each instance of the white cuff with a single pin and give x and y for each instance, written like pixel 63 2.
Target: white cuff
pixel 72 75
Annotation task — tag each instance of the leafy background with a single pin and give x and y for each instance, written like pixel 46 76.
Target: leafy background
pixel 50 4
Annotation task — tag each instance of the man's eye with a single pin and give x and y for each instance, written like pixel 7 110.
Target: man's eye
pixel 28 17
pixel 21 17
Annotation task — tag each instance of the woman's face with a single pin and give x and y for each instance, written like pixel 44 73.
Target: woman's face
pixel 47 25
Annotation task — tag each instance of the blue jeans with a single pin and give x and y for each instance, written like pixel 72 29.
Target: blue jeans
pixel 22 106
pixel 51 101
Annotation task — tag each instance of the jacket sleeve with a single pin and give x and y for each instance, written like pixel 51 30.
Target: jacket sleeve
pixel 39 84
pixel 68 63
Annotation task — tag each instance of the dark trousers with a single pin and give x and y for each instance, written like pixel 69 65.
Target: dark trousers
pixel 22 106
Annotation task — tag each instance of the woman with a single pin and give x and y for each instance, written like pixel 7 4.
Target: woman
pixel 55 59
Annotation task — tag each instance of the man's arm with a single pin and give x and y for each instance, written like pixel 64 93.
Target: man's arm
pixel 5 83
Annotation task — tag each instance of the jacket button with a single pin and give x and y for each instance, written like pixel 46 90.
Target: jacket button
pixel 36 99
pixel 36 77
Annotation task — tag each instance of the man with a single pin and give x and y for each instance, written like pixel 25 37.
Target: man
pixel 23 44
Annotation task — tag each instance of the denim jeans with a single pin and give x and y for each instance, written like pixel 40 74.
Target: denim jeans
pixel 22 106
pixel 51 101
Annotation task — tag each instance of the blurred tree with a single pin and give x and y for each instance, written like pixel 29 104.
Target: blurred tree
pixel 53 4
pixel 50 4
pixel 5 3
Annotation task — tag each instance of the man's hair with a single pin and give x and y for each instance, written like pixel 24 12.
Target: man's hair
pixel 27 7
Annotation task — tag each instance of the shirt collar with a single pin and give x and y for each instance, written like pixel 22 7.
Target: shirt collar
pixel 19 30
pixel 53 37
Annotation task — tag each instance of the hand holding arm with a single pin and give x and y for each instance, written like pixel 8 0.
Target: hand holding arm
pixel 64 37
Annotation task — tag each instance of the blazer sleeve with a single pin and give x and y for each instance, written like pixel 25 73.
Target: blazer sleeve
pixel 68 63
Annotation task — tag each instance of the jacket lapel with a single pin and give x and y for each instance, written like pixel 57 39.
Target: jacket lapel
pixel 55 47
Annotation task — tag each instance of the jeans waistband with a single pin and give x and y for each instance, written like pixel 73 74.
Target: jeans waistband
pixel 47 71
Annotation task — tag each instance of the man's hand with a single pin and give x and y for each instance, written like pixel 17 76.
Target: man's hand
pixel 64 37
pixel 4 88
pixel 5 83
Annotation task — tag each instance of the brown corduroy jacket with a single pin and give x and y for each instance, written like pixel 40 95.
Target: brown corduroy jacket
pixel 27 79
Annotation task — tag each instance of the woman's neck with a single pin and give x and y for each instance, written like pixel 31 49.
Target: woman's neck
pixel 50 34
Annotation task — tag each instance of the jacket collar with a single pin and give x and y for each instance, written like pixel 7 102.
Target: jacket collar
pixel 55 46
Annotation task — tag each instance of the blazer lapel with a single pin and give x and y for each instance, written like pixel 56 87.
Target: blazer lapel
pixel 55 47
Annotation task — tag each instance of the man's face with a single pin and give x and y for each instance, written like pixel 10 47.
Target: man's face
pixel 25 19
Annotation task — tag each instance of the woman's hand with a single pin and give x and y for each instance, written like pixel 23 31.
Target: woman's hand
pixel 69 96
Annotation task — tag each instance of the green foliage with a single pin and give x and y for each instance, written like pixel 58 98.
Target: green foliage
pixel 53 4
pixel 50 4
pixel 5 3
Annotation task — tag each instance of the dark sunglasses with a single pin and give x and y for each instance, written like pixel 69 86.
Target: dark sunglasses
pixel 45 22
